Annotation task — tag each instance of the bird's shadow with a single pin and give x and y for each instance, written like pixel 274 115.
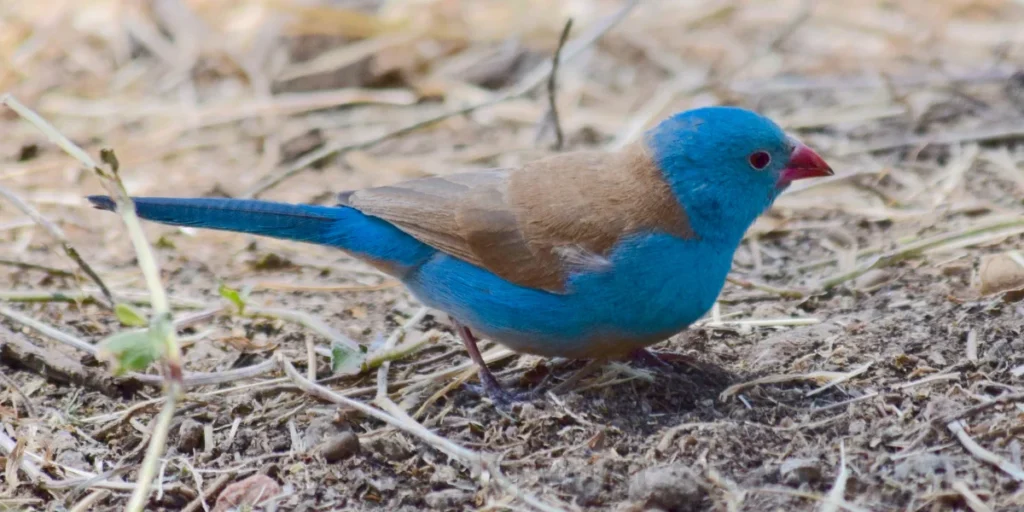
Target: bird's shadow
pixel 682 384
pixel 686 390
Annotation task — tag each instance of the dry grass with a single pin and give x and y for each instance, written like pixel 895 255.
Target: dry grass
pixel 853 363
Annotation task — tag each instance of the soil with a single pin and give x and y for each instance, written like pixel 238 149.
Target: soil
pixel 877 370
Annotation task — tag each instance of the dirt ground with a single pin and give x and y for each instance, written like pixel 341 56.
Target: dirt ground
pixel 868 353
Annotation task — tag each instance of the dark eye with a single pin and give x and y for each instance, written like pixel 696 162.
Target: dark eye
pixel 760 159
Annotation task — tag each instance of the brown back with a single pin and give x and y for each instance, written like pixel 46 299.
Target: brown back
pixel 533 225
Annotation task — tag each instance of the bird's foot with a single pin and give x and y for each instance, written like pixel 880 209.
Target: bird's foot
pixel 500 396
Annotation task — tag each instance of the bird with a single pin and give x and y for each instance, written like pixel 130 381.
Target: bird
pixel 589 254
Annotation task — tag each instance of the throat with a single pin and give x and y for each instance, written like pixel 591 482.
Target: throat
pixel 722 223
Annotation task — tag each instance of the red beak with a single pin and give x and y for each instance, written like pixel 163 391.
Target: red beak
pixel 803 163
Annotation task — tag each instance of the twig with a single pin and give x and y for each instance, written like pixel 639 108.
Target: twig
pixel 396 417
pixel 160 323
pixel 208 493
pixel 805 495
pixel 522 88
pixel 971 411
pixel 972 346
pixel 26 402
pixel 89 502
pixel 24 265
pixel 88 297
pixel 1011 132
pixel 8 446
pixel 845 377
pixel 916 248
pixel 54 231
pixel 778 379
pixel 85 479
pixel 193 379
pixel 394 354
pixel 389 345
pixel 553 88
pixel 304 319
pixel 980 453
pixel 835 84
pixel 972 499
pixel 834 498
pixel 762 322
pixel 417 430
pixel 925 380
pixel 48 331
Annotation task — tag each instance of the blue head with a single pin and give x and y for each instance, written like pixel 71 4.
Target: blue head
pixel 727 165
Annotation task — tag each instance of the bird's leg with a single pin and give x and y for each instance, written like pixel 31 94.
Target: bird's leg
pixel 490 384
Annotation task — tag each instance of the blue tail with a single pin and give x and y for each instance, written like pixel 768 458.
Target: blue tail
pixel 337 226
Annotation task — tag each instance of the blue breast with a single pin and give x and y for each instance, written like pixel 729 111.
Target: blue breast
pixel 656 286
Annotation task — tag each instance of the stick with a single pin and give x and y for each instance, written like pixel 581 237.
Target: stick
pixel 553 88
pixel 834 499
pixel 980 453
pixel 24 265
pixel 30 409
pixel 193 379
pixel 972 499
pixel 397 418
pixel 160 323
pixel 88 297
pixel 916 248
pixel 54 231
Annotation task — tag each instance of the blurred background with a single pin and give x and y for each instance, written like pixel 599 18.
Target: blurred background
pixel 295 100
pixel 214 96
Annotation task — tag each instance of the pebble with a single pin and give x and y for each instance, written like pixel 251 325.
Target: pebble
pixel 190 436
pixel 340 447
pixel 673 488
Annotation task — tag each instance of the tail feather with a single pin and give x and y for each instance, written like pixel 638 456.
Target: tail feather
pixel 307 223
pixel 338 226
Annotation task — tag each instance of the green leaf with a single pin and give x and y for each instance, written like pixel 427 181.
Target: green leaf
pixel 129 351
pixel 232 295
pixel 345 360
pixel 164 243
pixel 130 316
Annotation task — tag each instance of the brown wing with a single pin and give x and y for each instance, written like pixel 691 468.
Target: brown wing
pixel 532 225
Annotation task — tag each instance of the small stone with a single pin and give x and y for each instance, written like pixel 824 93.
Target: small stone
pixel 318 431
pixel 448 499
pixel 674 488
pixel 798 471
pixel 340 447
pixel 246 494
pixel 190 436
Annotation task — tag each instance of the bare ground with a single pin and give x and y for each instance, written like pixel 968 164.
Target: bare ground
pixel 867 356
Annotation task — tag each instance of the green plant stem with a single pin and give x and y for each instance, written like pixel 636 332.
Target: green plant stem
pixel 160 428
